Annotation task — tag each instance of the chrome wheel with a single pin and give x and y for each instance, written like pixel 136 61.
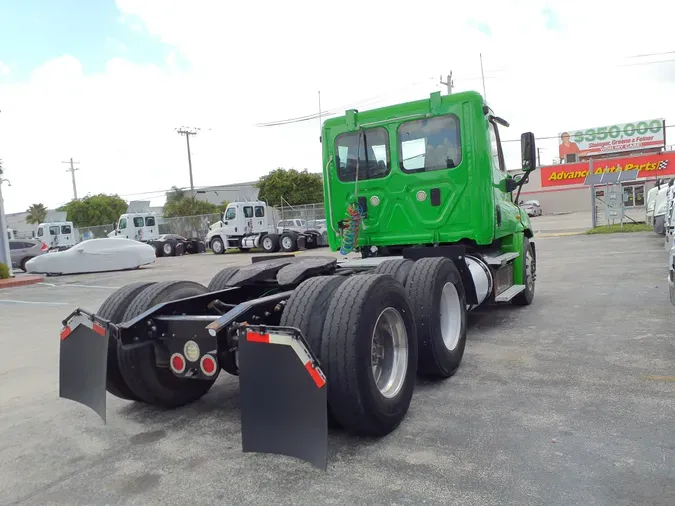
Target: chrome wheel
pixel 287 243
pixel 217 246
pixel 267 244
pixel 451 316
pixel 389 352
pixel 167 249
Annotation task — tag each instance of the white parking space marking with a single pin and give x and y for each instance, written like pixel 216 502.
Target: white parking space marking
pixel 34 302
pixel 91 286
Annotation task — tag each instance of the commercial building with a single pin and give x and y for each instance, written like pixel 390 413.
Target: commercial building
pixel 636 149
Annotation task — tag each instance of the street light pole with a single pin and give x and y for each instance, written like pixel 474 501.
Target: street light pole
pixel 5 257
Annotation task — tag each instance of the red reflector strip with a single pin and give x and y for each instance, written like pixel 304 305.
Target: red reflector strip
pixel 316 375
pixel 298 347
pixel 257 337
pixel 65 333
pixel 98 328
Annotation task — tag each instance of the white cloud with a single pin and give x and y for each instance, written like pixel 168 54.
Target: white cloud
pixel 263 63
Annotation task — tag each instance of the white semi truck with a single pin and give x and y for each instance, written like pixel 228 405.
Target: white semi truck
pixel 56 232
pixel 138 223
pixel 247 225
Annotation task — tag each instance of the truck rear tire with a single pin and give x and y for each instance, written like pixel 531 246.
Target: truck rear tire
pixel 270 243
pixel 155 385
pixel 439 304
pixel 526 297
pixel 168 249
pixel 398 268
pixel 113 309
pixel 217 246
pixel 369 354
pixel 219 281
pixel 306 310
pixel 288 242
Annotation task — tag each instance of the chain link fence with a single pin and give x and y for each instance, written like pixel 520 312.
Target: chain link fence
pixel 198 226
pixel 311 213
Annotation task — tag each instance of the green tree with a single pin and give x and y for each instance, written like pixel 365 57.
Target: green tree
pixel 296 187
pixel 95 210
pixel 179 203
pixel 36 214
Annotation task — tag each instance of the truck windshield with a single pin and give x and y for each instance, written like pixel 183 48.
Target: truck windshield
pixel 372 146
pixel 429 144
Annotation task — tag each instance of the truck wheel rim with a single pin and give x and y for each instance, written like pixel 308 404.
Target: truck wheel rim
pixel 216 246
pixel 451 316
pixel 267 243
pixel 389 352
pixel 286 241
pixel 167 249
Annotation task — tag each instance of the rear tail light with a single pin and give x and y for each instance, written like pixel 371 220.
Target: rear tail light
pixel 208 365
pixel 177 363
pixel 44 246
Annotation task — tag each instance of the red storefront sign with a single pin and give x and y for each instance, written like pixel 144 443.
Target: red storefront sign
pixel 656 165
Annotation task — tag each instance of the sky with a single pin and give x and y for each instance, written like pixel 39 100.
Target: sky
pixel 109 82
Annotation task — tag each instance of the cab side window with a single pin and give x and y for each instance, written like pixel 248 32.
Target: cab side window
pixel 123 224
pixel 53 230
pixel 248 212
pixel 495 144
pixel 231 213
pixel 138 222
pixel 429 144
pixel 259 212
pixel 150 221
pixel 41 232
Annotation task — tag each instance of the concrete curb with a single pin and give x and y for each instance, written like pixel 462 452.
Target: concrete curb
pixel 558 234
pixel 21 281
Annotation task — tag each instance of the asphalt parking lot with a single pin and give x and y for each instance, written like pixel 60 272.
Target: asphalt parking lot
pixel 568 401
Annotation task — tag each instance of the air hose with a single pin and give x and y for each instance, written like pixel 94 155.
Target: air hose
pixel 350 232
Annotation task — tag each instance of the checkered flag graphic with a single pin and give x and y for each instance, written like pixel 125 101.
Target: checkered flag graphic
pixel 662 164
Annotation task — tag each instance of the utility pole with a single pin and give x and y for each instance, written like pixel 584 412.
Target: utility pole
pixel 5 257
pixel 187 132
pixel 72 174
pixel 448 82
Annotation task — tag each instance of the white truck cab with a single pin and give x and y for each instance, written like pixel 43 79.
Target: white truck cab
pixel 242 226
pixel 57 235
pixel 10 234
pixel 650 205
pixel 660 208
pixel 138 226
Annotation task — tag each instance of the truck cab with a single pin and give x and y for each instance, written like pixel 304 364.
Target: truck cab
pixel 242 225
pixel 138 226
pixel 59 235
pixel 10 234
pixel 427 173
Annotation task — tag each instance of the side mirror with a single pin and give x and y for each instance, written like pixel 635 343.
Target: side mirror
pixel 528 151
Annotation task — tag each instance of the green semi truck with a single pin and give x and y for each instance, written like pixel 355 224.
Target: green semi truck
pixel 422 209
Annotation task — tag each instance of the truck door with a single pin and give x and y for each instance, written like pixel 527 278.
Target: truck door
pixel 66 237
pixel 122 228
pixel 259 225
pixel 138 228
pixel 150 228
pixel 248 219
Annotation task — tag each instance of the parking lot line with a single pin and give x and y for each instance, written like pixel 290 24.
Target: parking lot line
pixel 34 302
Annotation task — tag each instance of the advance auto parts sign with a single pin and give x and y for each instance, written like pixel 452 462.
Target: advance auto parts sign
pixel 657 165
pixel 612 139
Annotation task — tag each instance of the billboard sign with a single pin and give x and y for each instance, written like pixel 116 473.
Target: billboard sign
pixel 612 139
pixel 655 165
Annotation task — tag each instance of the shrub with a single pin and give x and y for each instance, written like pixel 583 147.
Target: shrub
pixel 4 271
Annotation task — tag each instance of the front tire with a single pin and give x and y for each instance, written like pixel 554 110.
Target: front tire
pixel 217 246
pixel 369 354
pixel 439 303
pixel 152 384
pixel 526 297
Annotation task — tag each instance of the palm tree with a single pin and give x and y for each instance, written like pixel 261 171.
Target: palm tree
pixel 36 214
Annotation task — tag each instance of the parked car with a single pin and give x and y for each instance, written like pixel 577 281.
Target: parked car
pixel 22 250
pixel 94 255
pixel 531 207
pixel 175 245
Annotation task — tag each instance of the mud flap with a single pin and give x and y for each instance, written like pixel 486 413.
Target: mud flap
pixel 83 362
pixel 283 395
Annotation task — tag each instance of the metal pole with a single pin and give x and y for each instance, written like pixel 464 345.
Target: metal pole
pixel 594 211
pixel 482 74
pixel 5 257
pixel 72 174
